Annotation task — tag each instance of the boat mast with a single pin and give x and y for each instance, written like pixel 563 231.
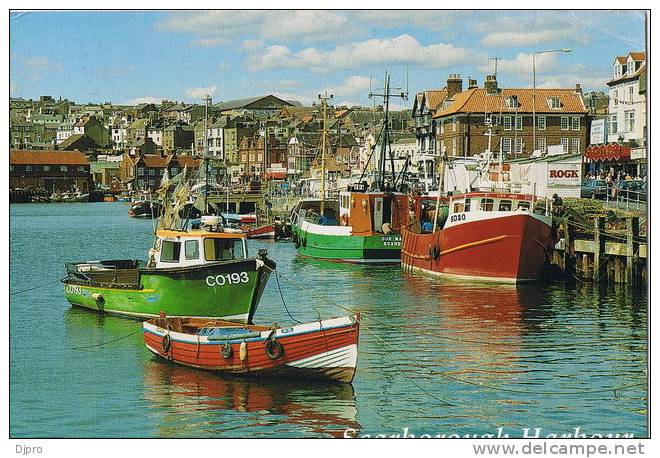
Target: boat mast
pixel 207 98
pixel 385 133
pixel 324 103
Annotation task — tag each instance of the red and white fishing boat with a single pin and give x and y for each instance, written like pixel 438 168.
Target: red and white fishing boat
pixel 485 236
pixel 325 349
pixel 262 232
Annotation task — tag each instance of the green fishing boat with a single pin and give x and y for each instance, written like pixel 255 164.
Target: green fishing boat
pixel 360 226
pixel 203 273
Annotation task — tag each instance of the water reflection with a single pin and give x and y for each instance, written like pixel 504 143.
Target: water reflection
pixel 193 403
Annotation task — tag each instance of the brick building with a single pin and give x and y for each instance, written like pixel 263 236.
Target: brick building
pixel 462 124
pixel 49 170
pixel 251 153
pixel 145 172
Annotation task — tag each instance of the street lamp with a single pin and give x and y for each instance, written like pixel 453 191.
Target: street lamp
pixel 534 88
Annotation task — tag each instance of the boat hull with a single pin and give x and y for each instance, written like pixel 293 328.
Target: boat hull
pixel 321 350
pixel 263 232
pixel 205 291
pixel 340 245
pixel 507 249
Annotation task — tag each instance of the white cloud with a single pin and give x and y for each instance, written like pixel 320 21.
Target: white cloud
pixel 288 83
pixel 352 85
pixel 403 49
pixel 142 99
pixel 532 29
pixel 216 27
pixel 200 92
pixel 41 64
pixel 522 64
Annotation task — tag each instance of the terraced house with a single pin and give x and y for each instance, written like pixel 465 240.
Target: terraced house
pixel 464 119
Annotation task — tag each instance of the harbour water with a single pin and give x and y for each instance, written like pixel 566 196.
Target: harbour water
pixel 452 359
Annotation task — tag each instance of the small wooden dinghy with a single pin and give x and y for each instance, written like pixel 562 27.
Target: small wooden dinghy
pixel 325 349
pixel 262 232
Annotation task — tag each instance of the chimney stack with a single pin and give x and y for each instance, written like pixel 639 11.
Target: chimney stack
pixel 578 88
pixel 491 85
pixel 472 84
pixel 454 85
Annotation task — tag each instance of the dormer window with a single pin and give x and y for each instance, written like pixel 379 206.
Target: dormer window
pixel 512 102
pixel 554 103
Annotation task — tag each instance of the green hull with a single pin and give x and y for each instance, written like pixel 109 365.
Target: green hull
pixel 373 249
pixel 208 291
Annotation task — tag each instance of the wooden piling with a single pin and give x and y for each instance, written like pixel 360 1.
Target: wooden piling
pixel 632 245
pixel 599 249
pixel 569 251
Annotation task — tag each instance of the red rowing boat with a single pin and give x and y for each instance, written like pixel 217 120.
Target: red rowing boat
pixel 325 349
pixel 262 232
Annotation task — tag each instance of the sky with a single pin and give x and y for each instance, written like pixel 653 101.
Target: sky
pixel 131 57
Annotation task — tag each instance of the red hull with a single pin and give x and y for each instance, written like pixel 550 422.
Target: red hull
pixel 507 249
pixel 263 232
pixel 308 354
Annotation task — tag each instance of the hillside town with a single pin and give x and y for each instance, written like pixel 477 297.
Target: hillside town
pixel 60 144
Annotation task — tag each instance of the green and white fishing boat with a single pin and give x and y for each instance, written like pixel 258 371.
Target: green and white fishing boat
pixel 360 226
pixel 204 272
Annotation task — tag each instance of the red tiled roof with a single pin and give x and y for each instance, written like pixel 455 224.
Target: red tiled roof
pixel 155 160
pixel 638 55
pixel 17 157
pixel 189 161
pixel 621 59
pixel 478 101
pixel 435 97
pixel 639 71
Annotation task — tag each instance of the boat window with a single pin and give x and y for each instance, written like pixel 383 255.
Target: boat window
pixel 221 249
pixel 505 205
pixel 170 251
pixel 459 207
pixel 523 205
pixel 467 205
pixel 192 249
pixel 486 205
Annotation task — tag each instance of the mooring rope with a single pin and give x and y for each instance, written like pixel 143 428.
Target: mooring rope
pixel 85 347
pixel 13 293
pixel 458 379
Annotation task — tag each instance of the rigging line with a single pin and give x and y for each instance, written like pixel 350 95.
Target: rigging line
pixel 279 288
pixel 84 347
pixel 36 287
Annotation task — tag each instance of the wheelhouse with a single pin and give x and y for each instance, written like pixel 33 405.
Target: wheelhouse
pixel 490 202
pixel 188 248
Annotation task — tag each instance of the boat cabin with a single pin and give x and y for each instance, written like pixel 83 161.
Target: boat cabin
pixel 490 202
pixel 373 212
pixel 175 248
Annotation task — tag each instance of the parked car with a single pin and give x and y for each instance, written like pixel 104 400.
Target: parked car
pixel 631 190
pixel 595 189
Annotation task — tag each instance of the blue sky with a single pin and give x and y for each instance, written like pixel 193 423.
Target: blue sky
pixel 129 57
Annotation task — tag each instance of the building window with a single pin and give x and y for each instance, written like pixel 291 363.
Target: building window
pixel 564 123
pixel 506 122
pixel 152 182
pixel 518 122
pixel 11 168
pixel 554 103
pixel 564 144
pixel 540 143
pixel 81 168
pixel 540 123
pixel 630 121
pixel 506 145
pixel 162 172
pixel 453 146
pixel 175 171
pixel 63 168
pixel 615 99
pixel 575 123
pixel 631 92
pixel 454 124
pixel 152 172
pixel 140 171
pixel 613 124
pixel 28 168
pixel 519 145
pixel 575 145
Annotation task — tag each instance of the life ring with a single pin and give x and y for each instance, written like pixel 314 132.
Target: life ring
pixel 166 344
pixel 227 352
pixel 434 251
pixel 274 349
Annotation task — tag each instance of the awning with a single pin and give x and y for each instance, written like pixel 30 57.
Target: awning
pixel 608 152
pixel 279 175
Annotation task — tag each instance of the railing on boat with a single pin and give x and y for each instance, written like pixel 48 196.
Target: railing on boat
pixel 121 274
